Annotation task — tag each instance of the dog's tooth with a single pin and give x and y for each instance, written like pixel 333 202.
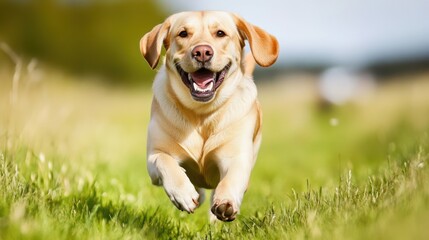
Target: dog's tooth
pixel 210 87
pixel 207 89
pixel 198 88
pixel 190 77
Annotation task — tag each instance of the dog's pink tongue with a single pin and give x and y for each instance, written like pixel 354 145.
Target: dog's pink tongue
pixel 202 77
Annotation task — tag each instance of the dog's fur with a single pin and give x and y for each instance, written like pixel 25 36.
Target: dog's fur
pixel 205 139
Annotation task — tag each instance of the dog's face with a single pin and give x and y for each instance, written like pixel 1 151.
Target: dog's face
pixel 205 48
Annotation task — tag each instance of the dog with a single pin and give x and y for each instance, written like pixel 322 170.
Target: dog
pixel 205 124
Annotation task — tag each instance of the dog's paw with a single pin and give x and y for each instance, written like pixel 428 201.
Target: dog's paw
pixel 185 198
pixel 224 210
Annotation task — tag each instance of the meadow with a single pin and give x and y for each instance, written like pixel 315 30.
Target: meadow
pixel 72 163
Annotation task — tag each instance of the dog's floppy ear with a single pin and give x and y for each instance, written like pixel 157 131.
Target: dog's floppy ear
pixel 264 46
pixel 151 43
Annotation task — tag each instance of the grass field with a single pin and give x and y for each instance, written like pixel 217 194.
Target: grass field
pixel 72 164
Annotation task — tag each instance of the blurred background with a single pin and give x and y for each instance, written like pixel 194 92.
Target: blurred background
pixel 352 39
pixel 83 37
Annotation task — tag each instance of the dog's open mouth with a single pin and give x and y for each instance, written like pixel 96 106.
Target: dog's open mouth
pixel 203 83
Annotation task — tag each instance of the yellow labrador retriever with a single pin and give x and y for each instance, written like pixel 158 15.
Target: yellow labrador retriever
pixel 205 126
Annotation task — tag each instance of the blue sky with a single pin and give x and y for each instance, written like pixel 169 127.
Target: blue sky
pixel 340 32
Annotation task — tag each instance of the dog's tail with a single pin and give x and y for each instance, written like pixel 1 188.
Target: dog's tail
pixel 248 65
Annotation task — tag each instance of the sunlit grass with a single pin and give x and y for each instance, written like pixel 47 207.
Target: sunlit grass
pixel 72 164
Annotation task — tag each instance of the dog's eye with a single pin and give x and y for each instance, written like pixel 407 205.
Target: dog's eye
pixel 220 33
pixel 183 34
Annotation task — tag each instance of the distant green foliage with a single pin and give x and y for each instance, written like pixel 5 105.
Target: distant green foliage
pixel 95 37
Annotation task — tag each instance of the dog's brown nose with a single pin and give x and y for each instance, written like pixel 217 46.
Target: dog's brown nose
pixel 202 53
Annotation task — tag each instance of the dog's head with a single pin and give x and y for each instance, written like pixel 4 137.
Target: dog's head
pixel 204 48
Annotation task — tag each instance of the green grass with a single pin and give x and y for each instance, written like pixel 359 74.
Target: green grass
pixel 72 165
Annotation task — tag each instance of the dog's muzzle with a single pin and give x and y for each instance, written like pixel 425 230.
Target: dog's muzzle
pixel 203 83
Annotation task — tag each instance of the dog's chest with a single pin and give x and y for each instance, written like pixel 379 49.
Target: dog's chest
pixel 199 142
pixel 200 159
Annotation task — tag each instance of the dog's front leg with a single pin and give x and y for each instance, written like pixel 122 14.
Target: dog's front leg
pixel 235 173
pixel 164 170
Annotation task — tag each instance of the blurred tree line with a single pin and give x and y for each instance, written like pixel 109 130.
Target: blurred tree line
pixel 82 36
